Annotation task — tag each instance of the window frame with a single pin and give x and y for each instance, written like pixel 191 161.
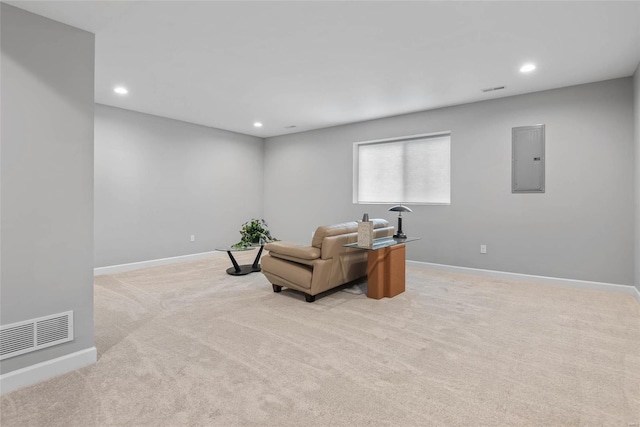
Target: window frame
pixel 356 165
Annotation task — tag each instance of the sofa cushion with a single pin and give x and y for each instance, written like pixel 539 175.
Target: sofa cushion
pixel 344 228
pixel 334 245
pixel 293 250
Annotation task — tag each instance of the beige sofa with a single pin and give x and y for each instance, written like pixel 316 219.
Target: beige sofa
pixel 323 265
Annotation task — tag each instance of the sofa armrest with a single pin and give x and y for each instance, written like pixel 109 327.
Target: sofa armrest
pixel 292 250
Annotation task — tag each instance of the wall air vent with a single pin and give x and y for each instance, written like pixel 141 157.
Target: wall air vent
pixel 491 89
pixel 31 335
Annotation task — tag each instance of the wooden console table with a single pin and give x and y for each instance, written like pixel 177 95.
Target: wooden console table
pixel 385 266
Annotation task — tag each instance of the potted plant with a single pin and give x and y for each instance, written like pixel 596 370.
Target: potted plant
pixel 254 232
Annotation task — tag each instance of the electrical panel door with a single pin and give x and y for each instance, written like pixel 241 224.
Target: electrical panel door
pixel 527 159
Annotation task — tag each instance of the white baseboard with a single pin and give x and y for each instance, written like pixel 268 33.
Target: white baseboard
pixel 120 268
pixel 48 369
pixel 582 284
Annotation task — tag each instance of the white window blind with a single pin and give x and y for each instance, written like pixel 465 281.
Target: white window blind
pixel 411 170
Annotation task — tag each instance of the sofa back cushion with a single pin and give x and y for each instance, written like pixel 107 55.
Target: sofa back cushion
pixel 333 246
pixel 344 228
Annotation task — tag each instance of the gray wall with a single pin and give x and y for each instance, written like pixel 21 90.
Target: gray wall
pixel 46 177
pixel 636 115
pixel 158 181
pixel 581 228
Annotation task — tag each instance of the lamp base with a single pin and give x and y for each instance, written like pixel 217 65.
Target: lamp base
pixel 400 234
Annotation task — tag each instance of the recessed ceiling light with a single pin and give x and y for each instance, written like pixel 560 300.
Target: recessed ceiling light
pixel 121 90
pixel 258 124
pixel 527 68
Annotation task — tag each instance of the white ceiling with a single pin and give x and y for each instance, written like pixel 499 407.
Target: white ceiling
pixel 319 64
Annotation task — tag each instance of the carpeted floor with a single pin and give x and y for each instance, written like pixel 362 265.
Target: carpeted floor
pixel 187 344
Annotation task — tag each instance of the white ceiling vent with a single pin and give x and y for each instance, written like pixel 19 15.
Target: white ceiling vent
pixel 491 89
pixel 31 335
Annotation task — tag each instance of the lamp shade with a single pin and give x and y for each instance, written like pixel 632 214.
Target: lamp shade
pixel 400 208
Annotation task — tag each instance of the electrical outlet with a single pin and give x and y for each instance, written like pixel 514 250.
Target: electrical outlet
pixel 483 249
pixel 193 237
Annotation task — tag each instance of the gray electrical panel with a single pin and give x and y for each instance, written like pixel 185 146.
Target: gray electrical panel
pixel 527 159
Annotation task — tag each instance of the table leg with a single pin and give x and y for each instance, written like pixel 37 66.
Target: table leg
pixel 256 263
pixel 386 272
pixel 236 267
pixel 238 270
pixel 396 266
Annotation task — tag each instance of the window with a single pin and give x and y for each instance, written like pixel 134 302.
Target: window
pixel 411 170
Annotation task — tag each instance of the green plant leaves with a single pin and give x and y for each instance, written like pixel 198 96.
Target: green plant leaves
pixel 254 232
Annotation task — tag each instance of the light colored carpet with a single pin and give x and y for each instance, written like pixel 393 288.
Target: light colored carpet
pixel 188 344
